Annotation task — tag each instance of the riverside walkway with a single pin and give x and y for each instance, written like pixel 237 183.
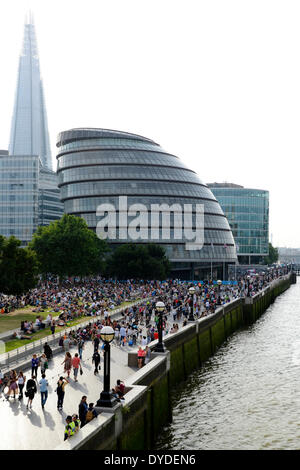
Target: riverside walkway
pixel 43 429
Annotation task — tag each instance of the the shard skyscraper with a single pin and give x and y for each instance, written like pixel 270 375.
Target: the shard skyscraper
pixel 29 128
pixel 29 195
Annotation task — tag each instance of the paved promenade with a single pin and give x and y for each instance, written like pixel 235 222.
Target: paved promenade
pixel 44 429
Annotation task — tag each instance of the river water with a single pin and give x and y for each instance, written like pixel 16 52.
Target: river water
pixel 247 396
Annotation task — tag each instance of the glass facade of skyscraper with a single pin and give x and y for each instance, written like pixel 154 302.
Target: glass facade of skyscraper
pixel 96 166
pixel 29 127
pixel 247 211
pixel 29 196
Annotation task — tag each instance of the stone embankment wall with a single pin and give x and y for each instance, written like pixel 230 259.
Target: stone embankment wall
pixel 148 403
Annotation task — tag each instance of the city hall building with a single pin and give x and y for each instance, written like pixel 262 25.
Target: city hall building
pixel 102 172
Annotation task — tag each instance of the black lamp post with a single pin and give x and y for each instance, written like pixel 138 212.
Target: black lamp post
pixel 192 291
pixel 160 307
pixel 248 286
pixel 219 282
pixel 107 399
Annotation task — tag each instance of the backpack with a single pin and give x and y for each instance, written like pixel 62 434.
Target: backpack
pixel 89 416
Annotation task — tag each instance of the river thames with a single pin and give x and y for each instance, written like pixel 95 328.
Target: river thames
pixel 247 396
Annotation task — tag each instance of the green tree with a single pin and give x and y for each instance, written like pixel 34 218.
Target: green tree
pixel 18 267
pixel 67 247
pixel 138 261
pixel 273 255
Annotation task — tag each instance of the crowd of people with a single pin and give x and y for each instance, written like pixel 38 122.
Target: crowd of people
pixel 136 326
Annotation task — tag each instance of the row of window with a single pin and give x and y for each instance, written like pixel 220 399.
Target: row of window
pixel 90 204
pixel 132 172
pixel 210 221
pixel 135 187
pixel 107 142
pixel 118 156
pixel 237 194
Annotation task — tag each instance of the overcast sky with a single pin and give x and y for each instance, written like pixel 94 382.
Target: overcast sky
pixel 215 82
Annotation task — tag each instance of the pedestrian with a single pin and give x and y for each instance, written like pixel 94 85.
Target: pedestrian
pixel 96 343
pixel 66 343
pixel 147 355
pixel 48 351
pixel 140 355
pixel 30 390
pixel 68 363
pixel 43 363
pixel 70 428
pixel 60 390
pixel 76 364
pixel 21 383
pixel 34 365
pixel 91 413
pixel 82 410
pixel 80 347
pixel 12 384
pixel 43 383
pixel 96 360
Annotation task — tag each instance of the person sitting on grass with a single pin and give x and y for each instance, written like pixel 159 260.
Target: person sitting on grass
pixel 20 335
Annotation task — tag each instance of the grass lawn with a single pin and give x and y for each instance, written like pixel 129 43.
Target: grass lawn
pixel 13 320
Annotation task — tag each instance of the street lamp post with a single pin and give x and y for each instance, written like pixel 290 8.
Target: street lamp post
pixel 160 307
pixel 219 282
pixel 192 291
pixel 107 399
pixel 248 286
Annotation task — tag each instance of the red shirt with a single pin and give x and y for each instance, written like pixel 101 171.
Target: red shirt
pixel 75 362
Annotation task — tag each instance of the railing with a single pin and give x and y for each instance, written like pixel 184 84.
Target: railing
pixel 14 356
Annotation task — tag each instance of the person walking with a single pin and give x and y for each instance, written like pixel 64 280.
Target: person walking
pixel 68 363
pixel 66 343
pixel 43 363
pixel 21 383
pixel 34 365
pixel 96 359
pixel 82 410
pixel 13 384
pixel 30 390
pixel 80 347
pixel 60 390
pixel 76 364
pixel 43 383
pixel 48 351
pixel 96 342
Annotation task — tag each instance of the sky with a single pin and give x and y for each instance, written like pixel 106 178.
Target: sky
pixel 216 82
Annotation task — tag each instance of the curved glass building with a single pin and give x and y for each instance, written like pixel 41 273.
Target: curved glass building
pixel 99 170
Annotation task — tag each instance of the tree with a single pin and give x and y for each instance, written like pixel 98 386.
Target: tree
pixel 273 255
pixel 18 267
pixel 138 261
pixel 67 247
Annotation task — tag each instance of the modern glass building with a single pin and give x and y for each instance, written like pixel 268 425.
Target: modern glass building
pixel 97 166
pixel 29 128
pixel 29 195
pixel 247 211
